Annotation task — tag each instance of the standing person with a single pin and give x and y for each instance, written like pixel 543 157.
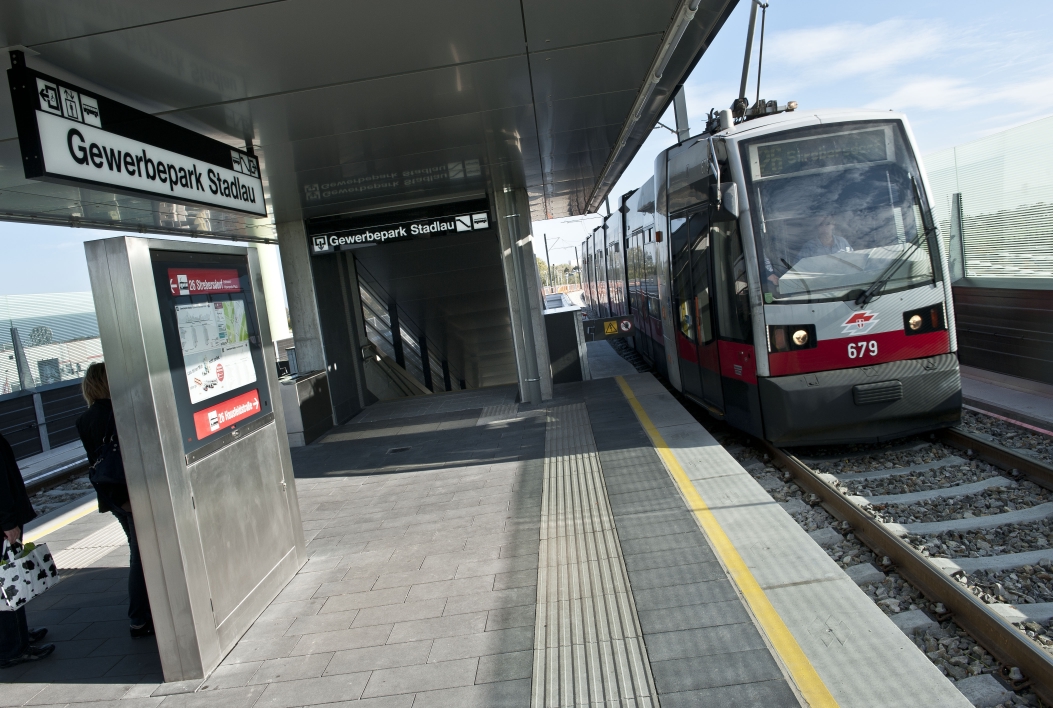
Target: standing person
pixel 16 638
pixel 98 428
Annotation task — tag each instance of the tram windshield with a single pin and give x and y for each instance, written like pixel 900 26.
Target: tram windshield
pixel 835 208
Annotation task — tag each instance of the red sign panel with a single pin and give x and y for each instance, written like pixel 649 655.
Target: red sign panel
pixel 203 281
pixel 226 413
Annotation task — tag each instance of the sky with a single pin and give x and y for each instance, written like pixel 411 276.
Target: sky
pixel 959 70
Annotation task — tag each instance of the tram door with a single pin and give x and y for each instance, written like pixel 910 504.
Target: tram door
pixel 692 279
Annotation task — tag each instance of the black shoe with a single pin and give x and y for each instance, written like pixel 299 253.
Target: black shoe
pixel 146 630
pixel 35 635
pixel 31 654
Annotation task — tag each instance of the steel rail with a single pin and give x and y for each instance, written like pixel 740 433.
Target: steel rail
pixel 56 475
pixel 1003 641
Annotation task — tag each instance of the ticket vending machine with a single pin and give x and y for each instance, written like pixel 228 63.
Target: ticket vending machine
pixel 198 409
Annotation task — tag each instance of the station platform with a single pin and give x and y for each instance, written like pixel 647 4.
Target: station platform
pixel 467 550
pixel 1027 401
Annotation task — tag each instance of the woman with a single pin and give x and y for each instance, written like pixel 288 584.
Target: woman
pixel 16 638
pixel 96 428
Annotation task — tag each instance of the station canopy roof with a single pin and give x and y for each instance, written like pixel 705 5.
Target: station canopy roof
pixel 362 106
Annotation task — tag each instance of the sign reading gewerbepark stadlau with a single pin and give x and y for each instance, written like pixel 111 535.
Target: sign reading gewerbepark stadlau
pixel 70 135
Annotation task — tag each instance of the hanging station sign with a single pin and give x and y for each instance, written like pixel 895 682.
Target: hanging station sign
pixel 70 135
pixel 343 233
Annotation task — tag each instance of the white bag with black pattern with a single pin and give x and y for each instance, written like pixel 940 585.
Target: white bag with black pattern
pixel 25 572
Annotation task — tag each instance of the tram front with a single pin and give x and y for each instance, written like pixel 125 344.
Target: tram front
pixel 852 307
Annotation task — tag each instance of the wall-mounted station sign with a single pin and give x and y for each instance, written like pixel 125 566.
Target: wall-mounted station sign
pixel 74 136
pixel 330 234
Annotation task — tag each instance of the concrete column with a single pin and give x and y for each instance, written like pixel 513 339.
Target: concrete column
pixel 523 287
pixel 273 290
pixel 299 287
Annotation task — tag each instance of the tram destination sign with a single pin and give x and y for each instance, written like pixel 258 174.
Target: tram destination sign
pixel 71 135
pixel 448 219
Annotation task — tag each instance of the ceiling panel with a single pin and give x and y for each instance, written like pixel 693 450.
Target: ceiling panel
pixel 393 101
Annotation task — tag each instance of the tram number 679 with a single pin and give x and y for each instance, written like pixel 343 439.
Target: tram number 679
pixel 858 350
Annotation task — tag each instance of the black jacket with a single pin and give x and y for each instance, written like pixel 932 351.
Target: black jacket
pixel 95 426
pixel 15 509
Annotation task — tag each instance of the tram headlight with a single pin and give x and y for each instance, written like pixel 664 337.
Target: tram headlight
pixel 924 320
pixel 790 338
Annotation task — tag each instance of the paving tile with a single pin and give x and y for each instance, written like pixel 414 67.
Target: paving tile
pixel 327 622
pixel 417 577
pixel 676 575
pixel 245 651
pixel 402 612
pixel 655 598
pixel 359 600
pixel 341 639
pixel 482 644
pixel 515 579
pixel 385 657
pixel 262 630
pixel 505 667
pixel 451 588
pixel 15 694
pixel 502 694
pixel 509 617
pixel 439 627
pixel 692 616
pixel 72 670
pixel 348 586
pixel 472 553
pixel 702 642
pixel 770 694
pixel 301 608
pixel 291 669
pixel 421 677
pixel 726 669
pixel 491 600
pixel 306 692
pixel 230 676
pixel 135 665
pixel 77 692
pixel 502 565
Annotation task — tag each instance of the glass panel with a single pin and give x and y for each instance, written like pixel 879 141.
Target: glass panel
pixel 834 210
pixel 1003 217
pixel 59 336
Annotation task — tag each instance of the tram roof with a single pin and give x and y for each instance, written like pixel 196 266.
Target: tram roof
pixel 362 106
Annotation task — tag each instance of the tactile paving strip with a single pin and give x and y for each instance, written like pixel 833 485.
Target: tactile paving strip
pixel 90 548
pixel 588 645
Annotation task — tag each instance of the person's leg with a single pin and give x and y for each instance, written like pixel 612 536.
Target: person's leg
pixel 138 601
pixel 14 634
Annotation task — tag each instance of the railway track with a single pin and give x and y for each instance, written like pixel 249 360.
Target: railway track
pixel 59 486
pixel 1023 662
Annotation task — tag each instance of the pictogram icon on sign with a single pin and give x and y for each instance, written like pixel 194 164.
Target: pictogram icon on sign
pixel 625 325
pixel 610 327
pixel 464 222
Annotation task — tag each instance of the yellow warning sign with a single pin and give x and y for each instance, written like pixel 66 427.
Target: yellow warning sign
pixel 610 327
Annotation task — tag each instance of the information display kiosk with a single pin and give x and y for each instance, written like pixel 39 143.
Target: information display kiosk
pixel 202 435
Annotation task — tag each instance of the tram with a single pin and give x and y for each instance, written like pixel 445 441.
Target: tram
pixel 785 273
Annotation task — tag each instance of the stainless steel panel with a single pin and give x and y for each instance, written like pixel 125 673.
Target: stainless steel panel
pixel 192 523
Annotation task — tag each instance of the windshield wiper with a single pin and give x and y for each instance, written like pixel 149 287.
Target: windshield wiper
pixel 886 275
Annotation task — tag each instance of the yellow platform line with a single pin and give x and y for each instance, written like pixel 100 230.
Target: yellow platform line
pixel 66 519
pixel 793 657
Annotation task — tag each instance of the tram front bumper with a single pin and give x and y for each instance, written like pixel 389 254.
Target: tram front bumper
pixel 862 405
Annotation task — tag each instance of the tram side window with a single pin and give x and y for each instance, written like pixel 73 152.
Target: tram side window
pixel 685 302
pixel 699 225
pixel 733 300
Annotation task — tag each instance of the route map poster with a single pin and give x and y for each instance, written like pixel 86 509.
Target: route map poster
pixel 215 340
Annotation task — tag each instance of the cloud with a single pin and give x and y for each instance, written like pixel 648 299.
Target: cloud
pixel 850 49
